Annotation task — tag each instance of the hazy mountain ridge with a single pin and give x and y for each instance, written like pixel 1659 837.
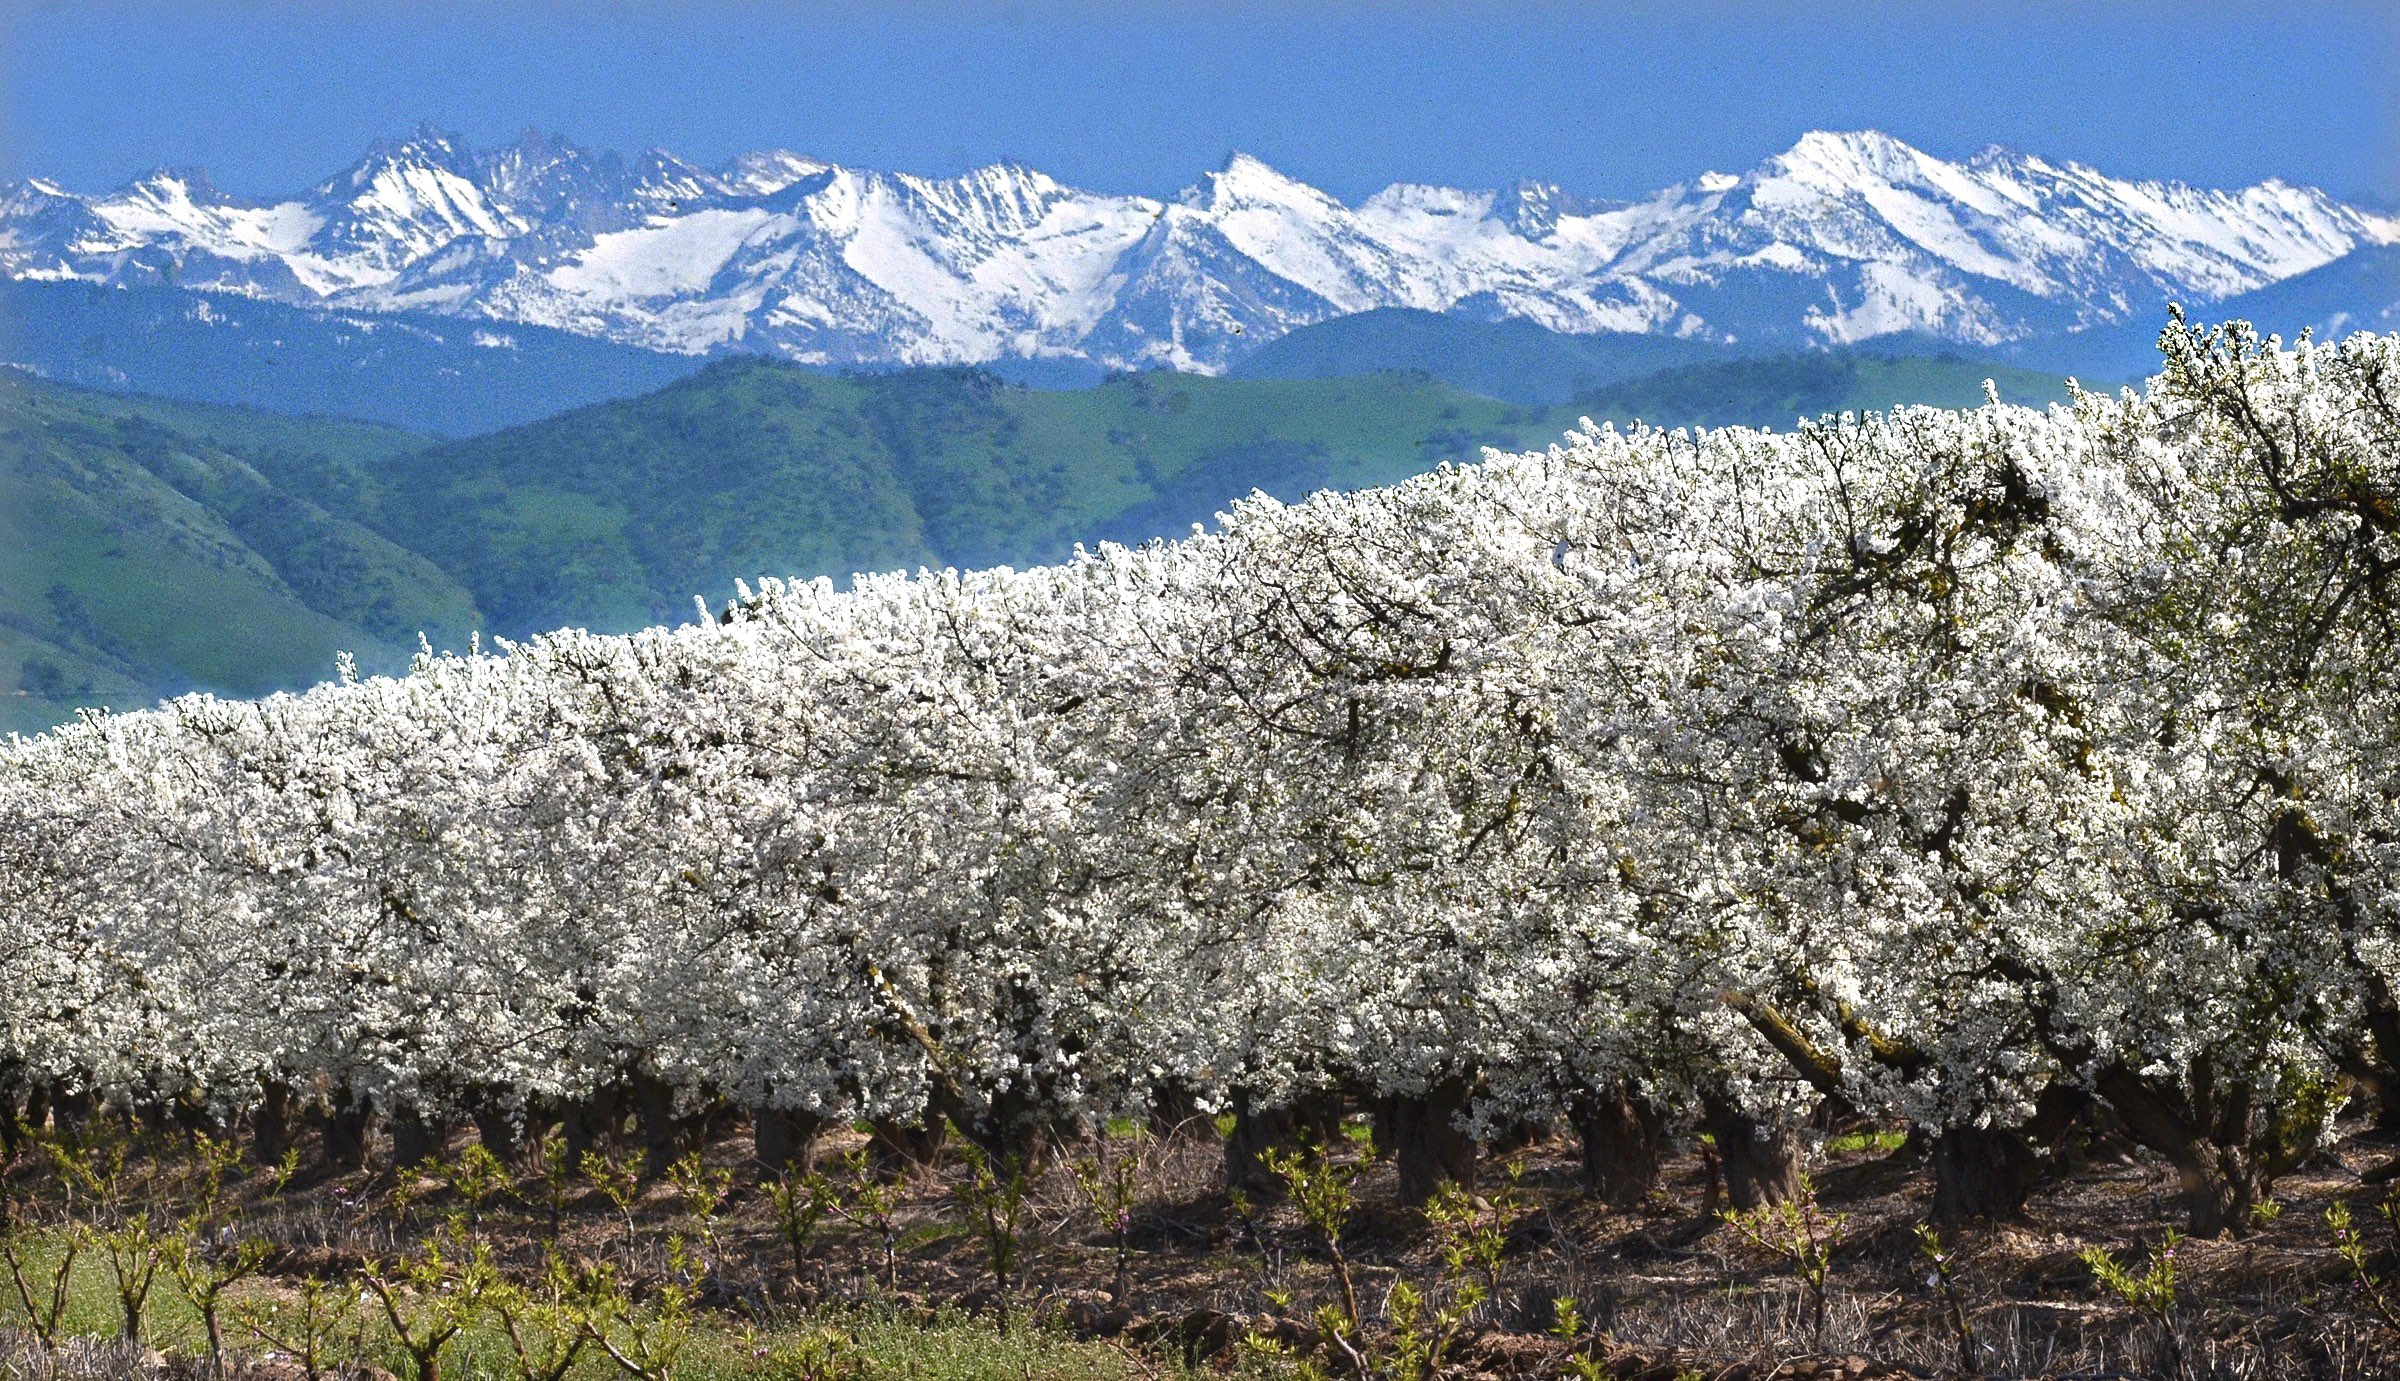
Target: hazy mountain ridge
pixel 149 546
pixel 1842 238
pixel 447 375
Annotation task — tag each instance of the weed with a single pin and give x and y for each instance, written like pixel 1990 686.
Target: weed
pixel 1802 1235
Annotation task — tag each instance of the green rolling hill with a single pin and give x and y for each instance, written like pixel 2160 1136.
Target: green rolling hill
pixel 1513 360
pixel 149 546
pixel 618 514
pixel 1777 390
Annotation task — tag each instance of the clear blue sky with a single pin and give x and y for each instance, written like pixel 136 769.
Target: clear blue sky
pixel 1607 99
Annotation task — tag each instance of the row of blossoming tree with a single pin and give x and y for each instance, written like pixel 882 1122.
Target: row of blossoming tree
pixel 1989 771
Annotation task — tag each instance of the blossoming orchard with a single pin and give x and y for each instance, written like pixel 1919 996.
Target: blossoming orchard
pixel 1986 772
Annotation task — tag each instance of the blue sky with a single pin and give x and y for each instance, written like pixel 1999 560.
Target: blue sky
pixel 1606 99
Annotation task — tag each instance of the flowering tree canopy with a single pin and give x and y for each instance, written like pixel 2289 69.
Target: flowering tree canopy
pixel 1947 764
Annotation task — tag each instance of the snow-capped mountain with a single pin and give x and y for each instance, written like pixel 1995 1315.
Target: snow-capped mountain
pixel 1841 238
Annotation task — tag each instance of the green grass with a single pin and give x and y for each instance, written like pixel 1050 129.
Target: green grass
pixel 879 1342
pixel 1851 1143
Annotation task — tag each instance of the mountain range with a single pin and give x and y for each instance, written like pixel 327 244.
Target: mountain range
pixel 1841 239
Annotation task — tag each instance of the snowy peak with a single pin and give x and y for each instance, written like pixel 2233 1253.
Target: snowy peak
pixel 1004 198
pixel 1850 157
pixel 540 172
pixel 1244 180
pixel 767 172
pixel 1843 236
pixel 404 200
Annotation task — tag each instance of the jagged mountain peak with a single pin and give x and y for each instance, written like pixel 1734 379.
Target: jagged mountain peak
pixel 1842 236
pixel 168 187
pixel 767 171
pixel 1245 178
pixel 1858 144
pixel 1853 159
pixel 427 145
pixel 1533 207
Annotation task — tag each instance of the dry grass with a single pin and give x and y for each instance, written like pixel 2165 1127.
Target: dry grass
pixel 1669 1288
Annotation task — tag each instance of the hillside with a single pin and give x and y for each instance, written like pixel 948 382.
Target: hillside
pixel 146 547
pixel 154 546
pixel 1776 391
pixel 1512 360
pixel 618 514
pixel 431 374
pixel 2358 292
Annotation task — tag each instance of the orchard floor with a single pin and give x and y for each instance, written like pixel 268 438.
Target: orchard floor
pixel 1665 1291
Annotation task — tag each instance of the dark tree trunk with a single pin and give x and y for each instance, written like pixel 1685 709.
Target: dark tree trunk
pixel 1011 1129
pixel 153 1114
pixel 271 1122
pixel 510 1134
pixel 1428 1143
pixel 2226 1149
pixel 2221 1186
pixel 2369 1062
pixel 1624 1141
pixel 1256 1131
pixel 1174 1111
pixel 1312 1120
pixel 37 1107
pixel 1507 1141
pixel 662 1132
pixel 1989 1172
pixel 418 1137
pixel 898 1147
pixel 782 1138
pixel 190 1114
pixel 1761 1163
pixel 18 1113
pixel 1982 1173
pixel 668 1135
pixel 70 1112
pixel 347 1127
pixel 592 1124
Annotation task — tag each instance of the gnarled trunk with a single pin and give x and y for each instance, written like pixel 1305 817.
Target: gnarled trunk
pixel 592 1124
pixel 37 1107
pixel 511 1134
pixel 1624 1142
pixel 1258 1129
pixel 1761 1162
pixel 347 1127
pixel 1981 1172
pixel 665 1135
pixel 418 1137
pixel 1426 1139
pixel 2227 1148
pixel 782 1139
pixel 13 1127
pixel 1011 1128
pixel 900 1147
pixel 271 1122
pixel 71 1110
pixel 1990 1172
pixel 1176 1111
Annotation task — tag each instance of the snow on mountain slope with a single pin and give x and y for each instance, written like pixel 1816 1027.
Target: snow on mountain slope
pixel 1841 238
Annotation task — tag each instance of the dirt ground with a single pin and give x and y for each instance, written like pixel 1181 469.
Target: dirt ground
pixel 1664 1291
